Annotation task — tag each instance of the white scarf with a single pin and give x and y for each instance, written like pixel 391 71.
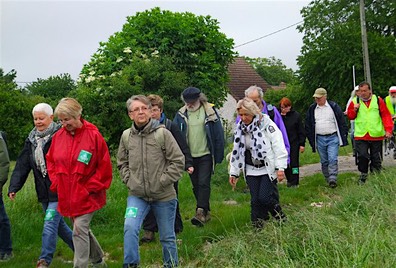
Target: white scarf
pixel 257 143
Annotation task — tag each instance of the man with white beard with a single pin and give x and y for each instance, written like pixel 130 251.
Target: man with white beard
pixel 200 123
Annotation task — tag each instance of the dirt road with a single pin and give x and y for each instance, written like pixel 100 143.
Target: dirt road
pixel 345 164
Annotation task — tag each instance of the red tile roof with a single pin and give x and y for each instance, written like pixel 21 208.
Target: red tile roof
pixel 243 75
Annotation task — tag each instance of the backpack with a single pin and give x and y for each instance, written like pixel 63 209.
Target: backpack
pixel 158 136
pixel 271 112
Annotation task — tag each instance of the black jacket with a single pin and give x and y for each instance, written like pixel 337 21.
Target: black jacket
pixel 341 123
pixel 25 163
pixel 180 139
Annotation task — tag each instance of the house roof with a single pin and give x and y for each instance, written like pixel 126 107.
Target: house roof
pixel 243 75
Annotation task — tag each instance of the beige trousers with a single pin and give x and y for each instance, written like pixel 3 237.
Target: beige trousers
pixel 86 247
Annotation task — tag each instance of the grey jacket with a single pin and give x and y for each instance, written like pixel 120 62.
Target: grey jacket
pixel 4 163
pixel 148 170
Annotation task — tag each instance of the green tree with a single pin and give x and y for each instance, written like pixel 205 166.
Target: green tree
pixel 272 70
pixel 54 87
pixel 7 80
pixel 194 43
pixel 332 45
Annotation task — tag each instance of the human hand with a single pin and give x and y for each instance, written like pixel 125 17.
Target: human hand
pixel 281 175
pixel 233 181
pixel 12 196
pixel 388 135
pixel 302 149
pixel 356 106
pixel 190 170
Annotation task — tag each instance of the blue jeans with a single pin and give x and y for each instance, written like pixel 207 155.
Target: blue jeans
pixel 54 225
pixel 328 152
pixel 5 230
pixel 164 212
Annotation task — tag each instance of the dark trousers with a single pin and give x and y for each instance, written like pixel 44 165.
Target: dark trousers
pixel 292 171
pixel 369 155
pixel 5 230
pixel 200 179
pixel 150 222
pixel 264 197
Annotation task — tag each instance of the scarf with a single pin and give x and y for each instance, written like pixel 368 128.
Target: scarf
pixel 38 140
pixel 257 143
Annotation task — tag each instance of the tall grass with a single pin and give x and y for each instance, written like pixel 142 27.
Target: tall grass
pixel 354 227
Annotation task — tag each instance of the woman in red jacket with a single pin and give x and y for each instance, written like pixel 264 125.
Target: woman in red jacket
pixel 80 169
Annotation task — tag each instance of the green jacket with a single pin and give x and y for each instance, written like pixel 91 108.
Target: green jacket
pixel 146 167
pixel 4 163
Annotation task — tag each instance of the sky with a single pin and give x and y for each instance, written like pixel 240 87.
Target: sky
pixel 40 39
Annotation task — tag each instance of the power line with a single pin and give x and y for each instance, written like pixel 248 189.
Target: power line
pixel 254 40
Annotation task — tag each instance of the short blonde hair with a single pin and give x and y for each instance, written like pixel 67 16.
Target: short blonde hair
pixel 70 107
pixel 249 105
pixel 156 100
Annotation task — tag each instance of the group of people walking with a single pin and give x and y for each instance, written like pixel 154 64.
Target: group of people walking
pixel 72 168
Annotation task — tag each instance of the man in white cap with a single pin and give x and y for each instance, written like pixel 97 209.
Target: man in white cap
pixel 201 125
pixel 373 123
pixel 390 102
pixel 326 131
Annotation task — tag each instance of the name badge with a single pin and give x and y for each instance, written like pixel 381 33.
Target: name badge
pixel 131 212
pixel 49 214
pixel 84 157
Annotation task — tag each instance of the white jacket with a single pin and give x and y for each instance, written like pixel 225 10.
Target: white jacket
pixel 277 154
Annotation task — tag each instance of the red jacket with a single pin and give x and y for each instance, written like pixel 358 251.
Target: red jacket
pixel 80 179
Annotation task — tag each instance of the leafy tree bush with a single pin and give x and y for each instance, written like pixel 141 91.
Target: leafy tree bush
pixel 272 70
pixel 54 87
pixel 332 45
pixel 194 44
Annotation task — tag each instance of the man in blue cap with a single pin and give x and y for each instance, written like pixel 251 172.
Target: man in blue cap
pixel 201 125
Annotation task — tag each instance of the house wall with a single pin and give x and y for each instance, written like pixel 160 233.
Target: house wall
pixel 228 114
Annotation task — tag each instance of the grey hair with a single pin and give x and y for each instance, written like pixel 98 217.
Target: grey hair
pixel 43 107
pixel 202 98
pixel 140 98
pixel 254 88
pixel 249 105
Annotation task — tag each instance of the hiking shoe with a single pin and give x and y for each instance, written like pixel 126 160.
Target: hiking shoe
pixel 147 237
pixel 362 179
pixel 100 264
pixel 199 218
pixel 42 264
pixel 208 217
pixel 6 256
pixel 333 184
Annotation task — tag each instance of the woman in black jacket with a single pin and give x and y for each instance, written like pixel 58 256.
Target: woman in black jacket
pixel 296 134
pixel 31 158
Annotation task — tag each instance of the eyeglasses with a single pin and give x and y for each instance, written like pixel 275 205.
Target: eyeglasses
pixel 139 109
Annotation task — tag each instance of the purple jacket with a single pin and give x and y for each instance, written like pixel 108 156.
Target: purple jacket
pixel 278 121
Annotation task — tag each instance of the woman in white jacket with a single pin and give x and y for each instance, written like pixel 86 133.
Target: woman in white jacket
pixel 259 151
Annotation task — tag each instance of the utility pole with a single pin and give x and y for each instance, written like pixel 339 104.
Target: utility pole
pixel 366 62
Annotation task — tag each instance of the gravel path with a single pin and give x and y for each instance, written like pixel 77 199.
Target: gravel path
pixel 345 164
